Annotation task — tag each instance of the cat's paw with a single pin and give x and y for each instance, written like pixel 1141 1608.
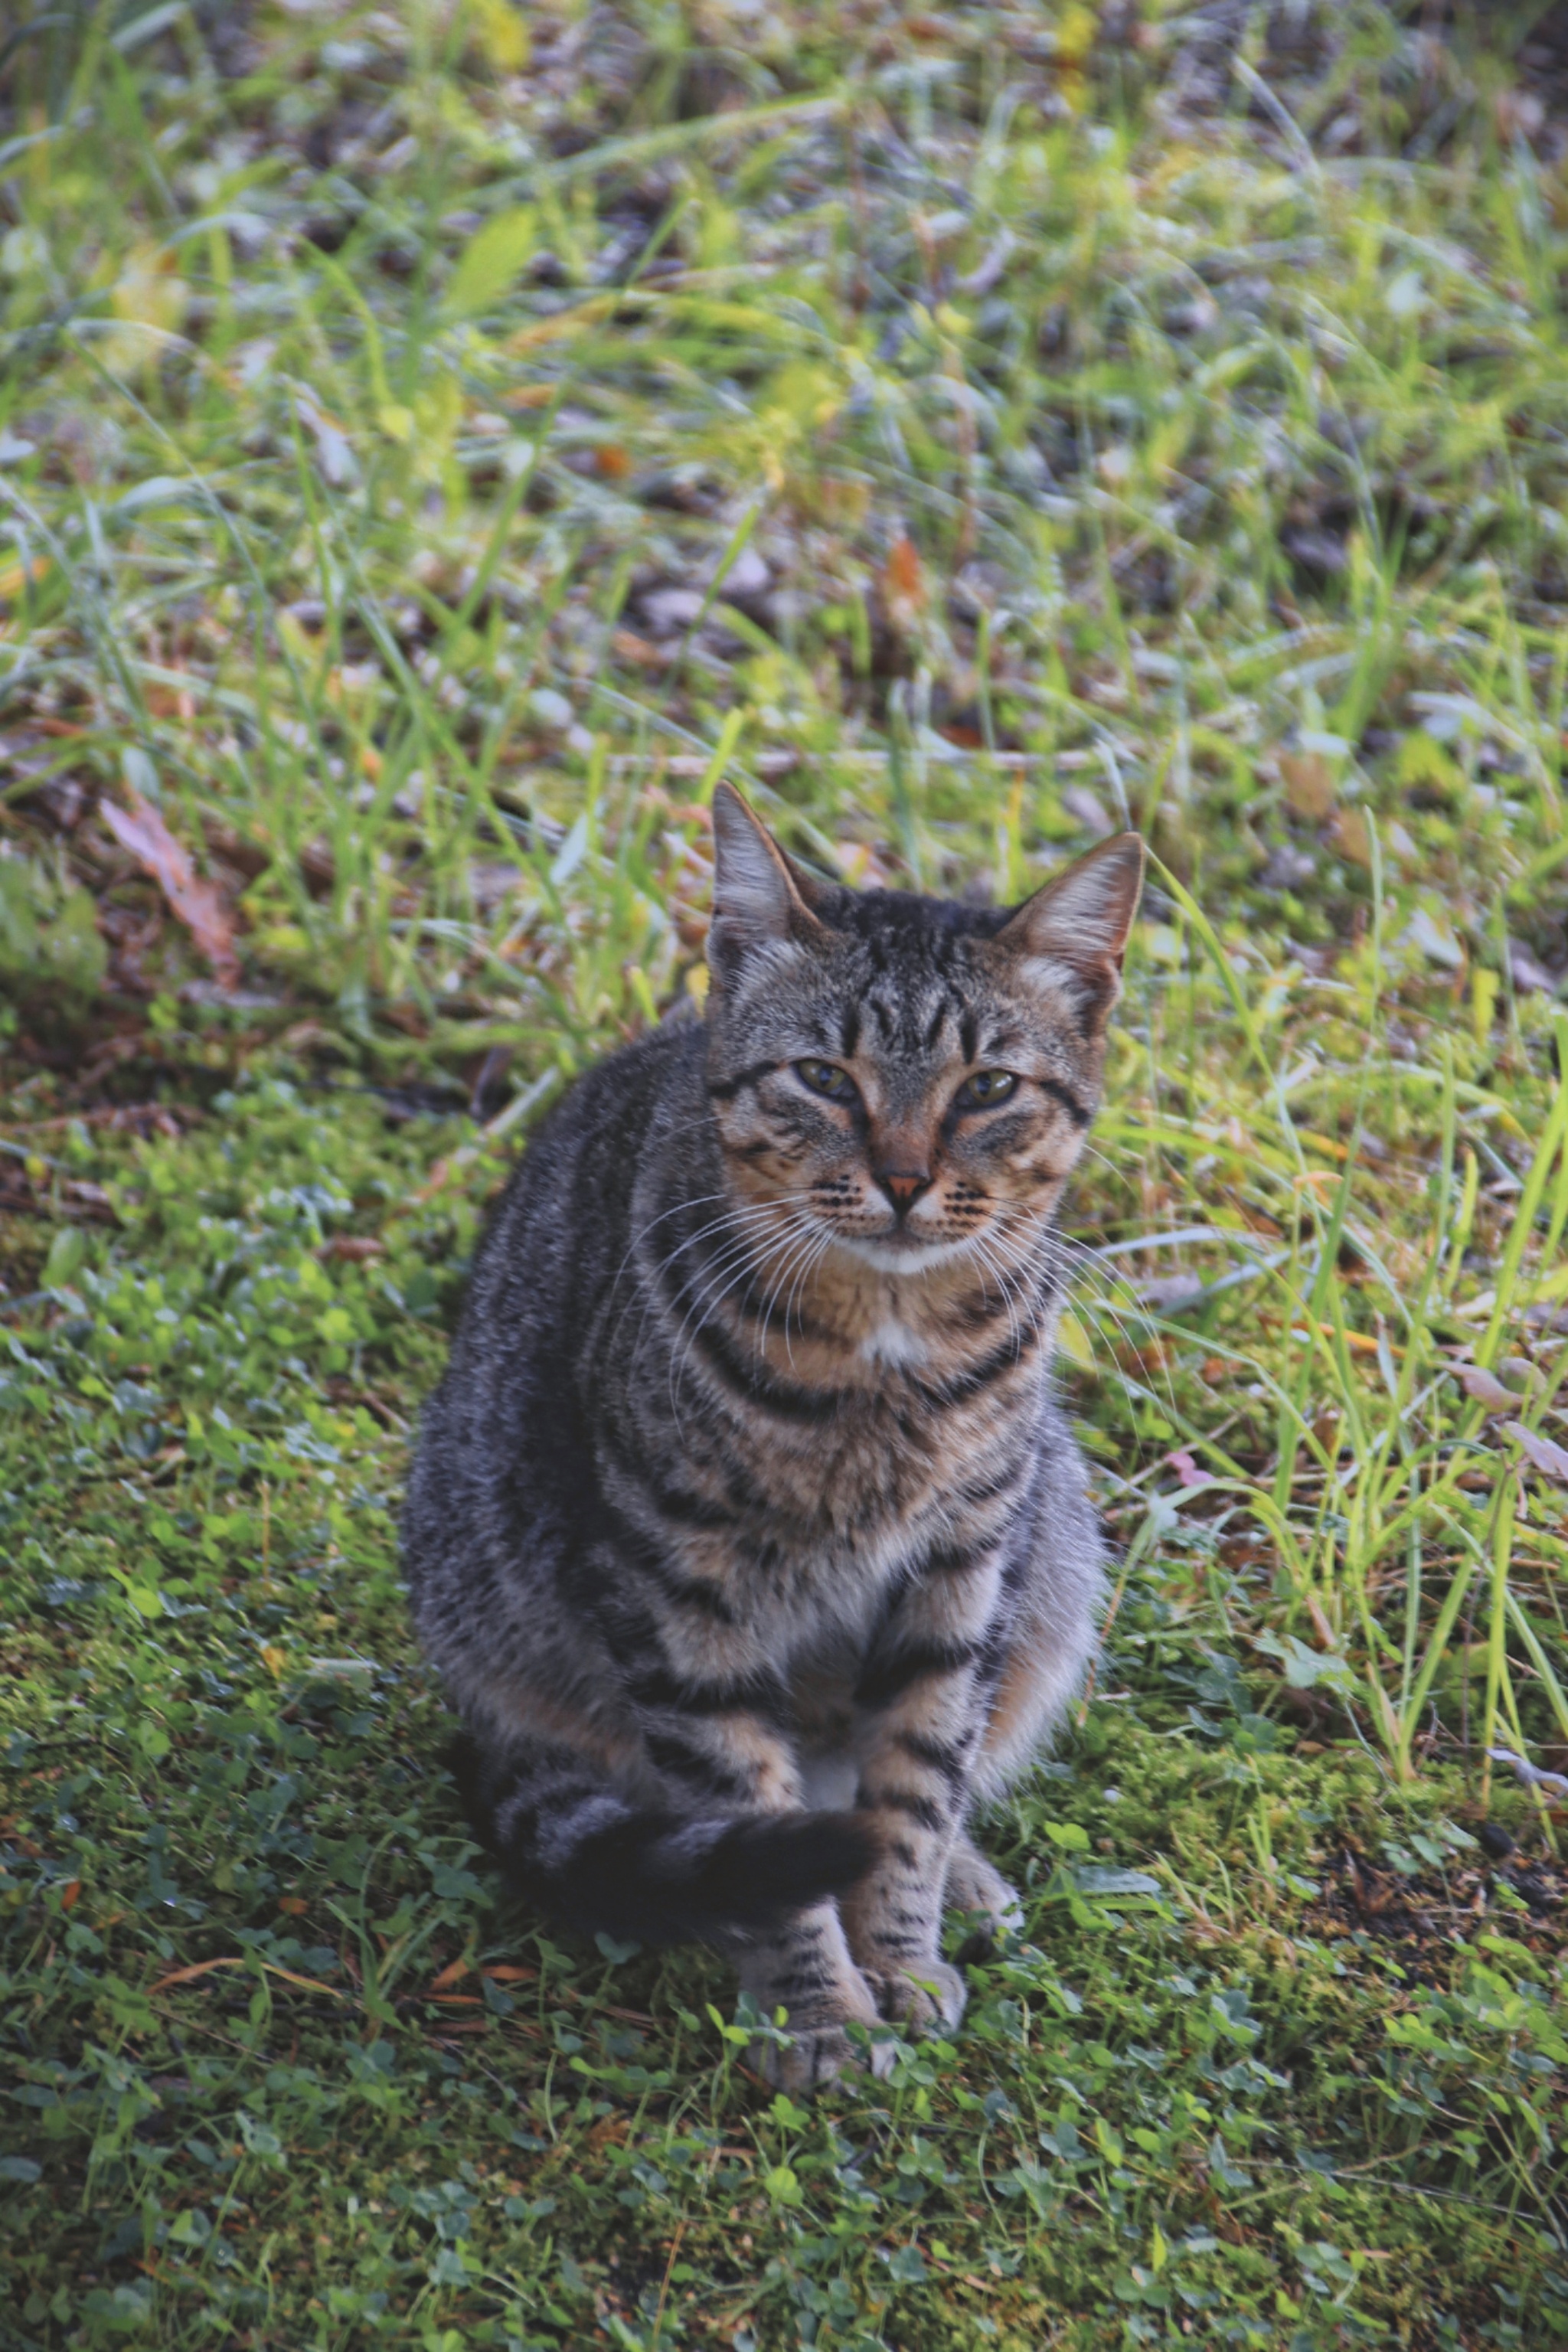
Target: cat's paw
pixel 815 2054
pixel 974 1885
pixel 922 1996
pixel 819 2045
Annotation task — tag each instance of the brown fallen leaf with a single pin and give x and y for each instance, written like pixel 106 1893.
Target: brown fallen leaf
pixel 1486 1388
pixel 1352 839
pixel 199 905
pixel 14 577
pixel 903 580
pixel 189 1976
pixel 641 650
pixel 1551 1460
pixel 1309 784
pixel 1327 1637
pixel 239 1960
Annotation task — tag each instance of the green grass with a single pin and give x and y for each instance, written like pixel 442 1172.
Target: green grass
pixel 433 447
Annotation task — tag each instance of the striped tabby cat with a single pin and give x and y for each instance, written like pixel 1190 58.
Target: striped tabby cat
pixel 745 1527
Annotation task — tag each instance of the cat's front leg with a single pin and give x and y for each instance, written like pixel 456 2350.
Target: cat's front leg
pixel 808 1972
pixel 921 1706
pixel 720 1754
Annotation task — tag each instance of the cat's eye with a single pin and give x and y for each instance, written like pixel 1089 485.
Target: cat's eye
pixel 826 1078
pixel 986 1087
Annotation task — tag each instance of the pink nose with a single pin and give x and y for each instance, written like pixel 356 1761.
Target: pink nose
pixel 902 1185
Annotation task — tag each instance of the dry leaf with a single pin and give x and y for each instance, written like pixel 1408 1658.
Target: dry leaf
pixel 1529 1775
pixel 630 647
pixel 1486 1389
pixel 1309 784
pixel 189 1976
pixel 904 581
pixel 199 905
pixel 14 577
pixel 1351 837
pixel 1551 1460
pixel 1185 1468
pixel 1320 1625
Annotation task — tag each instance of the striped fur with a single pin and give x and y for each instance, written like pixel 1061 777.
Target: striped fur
pixel 745 1527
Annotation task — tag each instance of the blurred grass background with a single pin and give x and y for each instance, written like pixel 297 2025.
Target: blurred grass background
pixel 435 443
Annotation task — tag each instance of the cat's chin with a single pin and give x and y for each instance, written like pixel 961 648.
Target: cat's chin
pixel 901 1253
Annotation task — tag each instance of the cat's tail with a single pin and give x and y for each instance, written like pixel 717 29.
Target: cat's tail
pixel 583 1850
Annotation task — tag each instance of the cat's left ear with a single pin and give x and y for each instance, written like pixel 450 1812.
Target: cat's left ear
pixel 1081 920
pixel 757 898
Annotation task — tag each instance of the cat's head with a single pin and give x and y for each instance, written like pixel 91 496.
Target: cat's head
pixel 912 1073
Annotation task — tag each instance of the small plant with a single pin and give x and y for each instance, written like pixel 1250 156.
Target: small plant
pixel 49 946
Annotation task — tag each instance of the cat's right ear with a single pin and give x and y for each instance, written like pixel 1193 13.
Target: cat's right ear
pixel 1078 926
pixel 757 901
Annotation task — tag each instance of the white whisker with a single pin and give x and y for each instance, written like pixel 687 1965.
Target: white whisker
pixel 744 1217
pixel 737 1259
pixel 799 1254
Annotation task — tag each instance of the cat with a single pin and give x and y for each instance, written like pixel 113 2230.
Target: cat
pixel 744 1527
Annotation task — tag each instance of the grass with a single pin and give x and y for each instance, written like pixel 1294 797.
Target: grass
pixel 436 442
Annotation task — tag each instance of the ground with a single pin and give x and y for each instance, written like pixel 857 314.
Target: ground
pixel 435 443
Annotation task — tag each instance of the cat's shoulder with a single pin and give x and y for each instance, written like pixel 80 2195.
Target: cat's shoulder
pixel 617 1100
pixel 670 1056
pixel 579 1171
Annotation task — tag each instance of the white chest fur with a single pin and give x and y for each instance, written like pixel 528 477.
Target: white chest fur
pixel 892 1342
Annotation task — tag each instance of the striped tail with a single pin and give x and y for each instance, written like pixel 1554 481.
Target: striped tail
pixel 589 1856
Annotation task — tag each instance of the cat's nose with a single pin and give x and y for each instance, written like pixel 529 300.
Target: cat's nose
pixel 902 1185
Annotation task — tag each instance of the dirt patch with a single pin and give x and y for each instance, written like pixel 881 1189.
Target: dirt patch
pixel 1420 1920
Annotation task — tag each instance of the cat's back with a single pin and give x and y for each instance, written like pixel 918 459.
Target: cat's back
pixel 555 1246
pixel 566 1215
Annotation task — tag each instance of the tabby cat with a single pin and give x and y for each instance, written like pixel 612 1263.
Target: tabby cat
pixel 745 1527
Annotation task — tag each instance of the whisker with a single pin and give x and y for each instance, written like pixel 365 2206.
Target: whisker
pixel 699 1201
pixel 743 1217
pixel 737 1259
pixel 981 1248
pixel 813 1260
pixel 707 1288
pixel 800 1253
